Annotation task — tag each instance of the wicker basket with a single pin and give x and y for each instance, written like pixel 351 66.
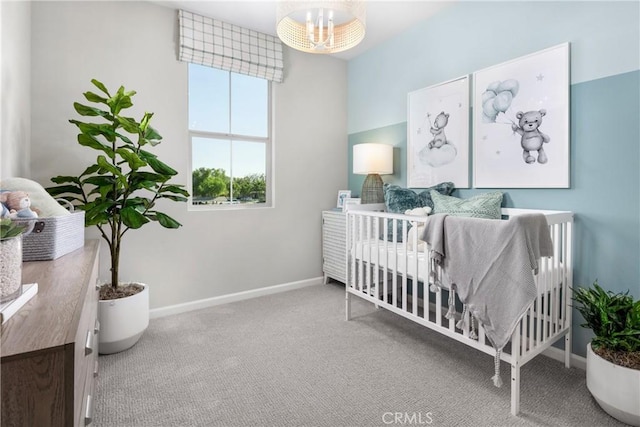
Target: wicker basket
pixel 50 238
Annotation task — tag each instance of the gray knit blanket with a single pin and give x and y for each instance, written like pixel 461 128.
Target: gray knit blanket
pixel 491 265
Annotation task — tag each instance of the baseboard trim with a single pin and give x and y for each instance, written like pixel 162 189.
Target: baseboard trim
pixel 558 354
pixel 238 296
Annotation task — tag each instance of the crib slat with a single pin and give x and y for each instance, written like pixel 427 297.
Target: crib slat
pixel 438 299
pixel 406 265
pixel 395 261
pixel 414 267
pixel 385 265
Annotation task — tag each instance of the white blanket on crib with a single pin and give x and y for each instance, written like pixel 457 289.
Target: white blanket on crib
pixel 491 265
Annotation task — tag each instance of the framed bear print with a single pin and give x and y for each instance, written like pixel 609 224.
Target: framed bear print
pixel 438 135
pixel 521 122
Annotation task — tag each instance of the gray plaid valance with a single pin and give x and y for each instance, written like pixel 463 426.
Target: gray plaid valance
pixel 208 41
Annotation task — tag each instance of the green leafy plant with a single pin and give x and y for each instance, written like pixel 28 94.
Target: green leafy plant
pixel 614 318
pixel 9 229
pixel 119 191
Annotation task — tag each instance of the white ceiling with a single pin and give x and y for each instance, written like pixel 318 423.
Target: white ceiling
pixel 384 18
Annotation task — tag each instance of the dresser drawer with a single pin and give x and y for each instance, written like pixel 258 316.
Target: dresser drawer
pixel 86 349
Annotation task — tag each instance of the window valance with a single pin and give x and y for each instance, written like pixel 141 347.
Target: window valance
pixel 214 43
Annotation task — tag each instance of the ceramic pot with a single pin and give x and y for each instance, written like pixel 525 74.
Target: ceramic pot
pixel 614 387
pixel 123 321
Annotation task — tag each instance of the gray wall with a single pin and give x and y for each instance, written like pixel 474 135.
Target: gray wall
pixel 15 88
pixel 214 253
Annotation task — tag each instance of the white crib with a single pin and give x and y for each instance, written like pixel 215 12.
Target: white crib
pixel 385 269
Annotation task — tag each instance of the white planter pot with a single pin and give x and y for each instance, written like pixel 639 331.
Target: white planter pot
pixel 615 388
pixel 123 321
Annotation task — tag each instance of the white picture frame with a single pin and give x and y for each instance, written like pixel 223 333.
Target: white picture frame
pixel 438 134
pixel 342 196
pixel 349 203
pixel 521 122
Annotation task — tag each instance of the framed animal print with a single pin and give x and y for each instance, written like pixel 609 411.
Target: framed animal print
pixel 438 135
pixel 521 122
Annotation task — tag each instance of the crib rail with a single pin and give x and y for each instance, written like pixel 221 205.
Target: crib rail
pixel 388 265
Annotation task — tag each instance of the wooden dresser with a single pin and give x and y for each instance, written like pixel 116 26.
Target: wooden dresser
pixel 50 346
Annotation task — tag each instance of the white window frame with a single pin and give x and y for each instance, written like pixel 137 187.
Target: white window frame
pixel 268 141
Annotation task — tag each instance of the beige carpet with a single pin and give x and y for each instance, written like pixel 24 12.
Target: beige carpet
pixel 292 360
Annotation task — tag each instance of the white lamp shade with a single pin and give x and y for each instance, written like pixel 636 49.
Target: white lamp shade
pixel 372 158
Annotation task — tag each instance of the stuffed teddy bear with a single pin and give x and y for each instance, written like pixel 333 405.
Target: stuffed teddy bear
pixel 532 139
pixel 437 130
pixel 18 204
pixel 416 230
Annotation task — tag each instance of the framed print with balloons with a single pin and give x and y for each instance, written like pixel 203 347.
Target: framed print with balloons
pixel 438 135
pixel 521 122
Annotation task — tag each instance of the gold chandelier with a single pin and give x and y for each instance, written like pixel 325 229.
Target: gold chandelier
pixel 321 26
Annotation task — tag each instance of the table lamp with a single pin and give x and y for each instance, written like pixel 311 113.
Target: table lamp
pixel 372 160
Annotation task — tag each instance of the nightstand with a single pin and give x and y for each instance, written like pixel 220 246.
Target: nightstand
pixel 334 245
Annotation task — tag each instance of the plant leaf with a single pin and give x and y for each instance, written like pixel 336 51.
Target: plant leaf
pixel 89 141
pixel 132 218
pixel 100 86
pixel 161 167
pixel 92 97
pixel 132 158
pixel 85 110
pixel 166 221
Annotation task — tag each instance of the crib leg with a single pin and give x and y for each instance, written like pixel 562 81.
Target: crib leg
pixel 347 300
pixel 515 388
pixel 567 350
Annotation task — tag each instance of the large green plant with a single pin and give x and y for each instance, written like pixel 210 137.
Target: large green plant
pixel 120 190
pixel 613 318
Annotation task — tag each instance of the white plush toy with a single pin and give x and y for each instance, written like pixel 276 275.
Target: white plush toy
pixel 419 229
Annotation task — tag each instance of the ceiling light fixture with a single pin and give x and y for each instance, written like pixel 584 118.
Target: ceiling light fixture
pixel 321 26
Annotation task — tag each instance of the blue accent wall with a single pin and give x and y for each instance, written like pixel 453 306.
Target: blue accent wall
pixel 605 115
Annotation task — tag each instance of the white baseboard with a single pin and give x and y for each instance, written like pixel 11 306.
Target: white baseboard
pixel 224 299
pixel 558 354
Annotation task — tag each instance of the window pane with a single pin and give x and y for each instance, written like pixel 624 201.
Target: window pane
pixel 211 163
pixel 249 105
pixel 249 171
pixel 208 99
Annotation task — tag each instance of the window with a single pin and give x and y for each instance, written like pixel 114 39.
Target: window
pixel 230 134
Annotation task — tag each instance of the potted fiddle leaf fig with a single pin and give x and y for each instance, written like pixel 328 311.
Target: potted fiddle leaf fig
pixel 119 193
pixel 613 356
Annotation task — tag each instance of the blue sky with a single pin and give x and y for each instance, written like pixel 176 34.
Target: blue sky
pixel 209 107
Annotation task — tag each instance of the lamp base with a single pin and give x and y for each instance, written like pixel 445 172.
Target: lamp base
pixel 372 190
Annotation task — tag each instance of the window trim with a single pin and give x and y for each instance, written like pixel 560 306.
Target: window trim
pixel 269 158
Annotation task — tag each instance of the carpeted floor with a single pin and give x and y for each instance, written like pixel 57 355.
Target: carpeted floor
pixel 291 359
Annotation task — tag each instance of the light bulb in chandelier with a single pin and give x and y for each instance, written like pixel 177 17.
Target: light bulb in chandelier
pixel 315 32
pixel 321 26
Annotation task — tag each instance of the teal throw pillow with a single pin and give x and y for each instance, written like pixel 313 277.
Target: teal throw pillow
pixel 398 199
pixel 485 205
